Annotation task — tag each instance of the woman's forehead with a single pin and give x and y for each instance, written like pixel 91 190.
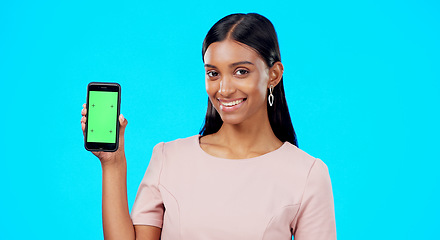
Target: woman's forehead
pixel 229 51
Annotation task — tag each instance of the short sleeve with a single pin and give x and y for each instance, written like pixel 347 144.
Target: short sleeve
pixel 316 216
pixel 148 208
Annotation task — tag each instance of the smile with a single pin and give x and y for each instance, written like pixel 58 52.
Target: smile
pixel 233 103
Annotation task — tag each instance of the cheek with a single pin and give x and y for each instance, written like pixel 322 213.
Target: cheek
pixel 259 94
pixel 262 85
pixel 211 90
pixel 211 87
pixel 256 87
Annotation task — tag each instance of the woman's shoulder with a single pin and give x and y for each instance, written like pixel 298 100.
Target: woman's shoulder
pixel 291 150
pixel 180 144
pixel 299 157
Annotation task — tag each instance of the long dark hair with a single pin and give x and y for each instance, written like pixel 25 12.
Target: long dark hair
pixel 257 32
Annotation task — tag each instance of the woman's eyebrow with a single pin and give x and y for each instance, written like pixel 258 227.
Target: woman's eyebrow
pixel 231 65
pixel 210 66
pixel 240 63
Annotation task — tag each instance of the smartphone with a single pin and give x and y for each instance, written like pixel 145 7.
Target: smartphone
pixel 102 125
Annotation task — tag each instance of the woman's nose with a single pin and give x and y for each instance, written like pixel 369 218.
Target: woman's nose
pixel 226 87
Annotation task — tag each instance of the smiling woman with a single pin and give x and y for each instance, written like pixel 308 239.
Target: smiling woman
pixel 256 34
pixel 242 176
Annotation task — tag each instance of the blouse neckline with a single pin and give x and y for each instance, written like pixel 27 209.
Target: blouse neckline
pixel 199 148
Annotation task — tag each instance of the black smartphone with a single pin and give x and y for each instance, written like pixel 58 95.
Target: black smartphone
pixel 102 125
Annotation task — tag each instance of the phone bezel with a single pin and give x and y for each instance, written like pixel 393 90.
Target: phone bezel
pixel 99 146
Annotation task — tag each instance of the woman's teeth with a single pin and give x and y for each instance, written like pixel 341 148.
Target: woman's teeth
pixel 233 103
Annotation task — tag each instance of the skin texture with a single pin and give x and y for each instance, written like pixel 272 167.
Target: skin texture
pixel 233 72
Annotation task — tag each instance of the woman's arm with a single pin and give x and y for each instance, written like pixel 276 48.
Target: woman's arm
pixel 147 232
pixel 316 216
pixel 116 219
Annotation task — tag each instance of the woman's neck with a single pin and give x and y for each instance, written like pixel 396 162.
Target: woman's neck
pixel 253 135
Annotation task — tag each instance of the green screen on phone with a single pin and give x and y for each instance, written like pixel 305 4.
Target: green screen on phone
pixel 102 117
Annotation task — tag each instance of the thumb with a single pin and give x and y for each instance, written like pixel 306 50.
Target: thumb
pixel 122 124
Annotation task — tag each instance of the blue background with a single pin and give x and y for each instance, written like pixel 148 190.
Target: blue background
pixel 362 83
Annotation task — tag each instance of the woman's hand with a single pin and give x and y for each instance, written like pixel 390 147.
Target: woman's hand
pixel 108 157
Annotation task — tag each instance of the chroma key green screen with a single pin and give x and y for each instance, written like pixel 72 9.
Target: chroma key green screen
pixel 102 117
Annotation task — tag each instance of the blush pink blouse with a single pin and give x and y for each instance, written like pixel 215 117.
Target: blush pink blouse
pixel 192 195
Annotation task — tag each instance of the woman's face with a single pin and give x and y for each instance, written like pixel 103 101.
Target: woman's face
pixel 237 80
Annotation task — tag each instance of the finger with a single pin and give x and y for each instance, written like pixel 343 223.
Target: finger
pixel 83 125
pixel 84 111
pixel 84 105
pixel 122 124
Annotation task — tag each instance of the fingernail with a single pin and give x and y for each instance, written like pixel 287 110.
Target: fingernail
pixel 122 117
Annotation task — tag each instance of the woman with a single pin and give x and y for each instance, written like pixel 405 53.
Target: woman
pixel 243 177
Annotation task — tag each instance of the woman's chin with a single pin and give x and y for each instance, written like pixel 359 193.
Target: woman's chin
pixel 232 120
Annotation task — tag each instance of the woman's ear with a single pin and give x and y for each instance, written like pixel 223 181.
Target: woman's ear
pixel 276 73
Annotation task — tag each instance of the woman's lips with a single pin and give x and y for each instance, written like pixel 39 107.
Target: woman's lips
pixel 228 105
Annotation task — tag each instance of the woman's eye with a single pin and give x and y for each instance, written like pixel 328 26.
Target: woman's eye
pixel 212 74
pixel 241 72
